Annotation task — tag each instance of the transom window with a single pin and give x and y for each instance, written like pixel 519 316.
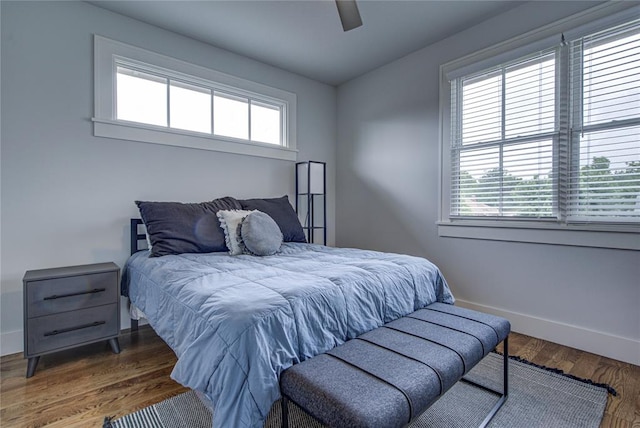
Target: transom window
pixel 162 101
pixel 144 96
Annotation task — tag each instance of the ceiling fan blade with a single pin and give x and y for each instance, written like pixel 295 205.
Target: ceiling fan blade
pixel 349 14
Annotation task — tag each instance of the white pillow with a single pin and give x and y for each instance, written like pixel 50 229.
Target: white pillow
pixel 229 221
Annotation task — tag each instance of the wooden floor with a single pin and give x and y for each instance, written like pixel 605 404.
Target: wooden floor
pixel 78 388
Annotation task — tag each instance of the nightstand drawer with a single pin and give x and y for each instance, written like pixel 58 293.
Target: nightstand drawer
pixel 51 296
pixel 52 332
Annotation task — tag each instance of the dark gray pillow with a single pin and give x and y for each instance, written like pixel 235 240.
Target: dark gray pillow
pixel 176 228
pixel 259 235
pixel 282 212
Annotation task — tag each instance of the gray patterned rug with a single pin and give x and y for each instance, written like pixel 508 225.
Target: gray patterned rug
pixel 538 397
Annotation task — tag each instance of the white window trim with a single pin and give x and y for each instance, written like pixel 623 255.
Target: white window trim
pixel 601 235
pixel 105 124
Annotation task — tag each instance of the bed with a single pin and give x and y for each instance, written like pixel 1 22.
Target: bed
pixel 236 322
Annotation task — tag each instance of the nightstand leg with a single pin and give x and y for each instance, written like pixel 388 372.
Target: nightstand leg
pixel 31 366
pixel 115 346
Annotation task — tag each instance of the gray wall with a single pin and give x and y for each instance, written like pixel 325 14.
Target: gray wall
pixel 387 199
pixel 66 195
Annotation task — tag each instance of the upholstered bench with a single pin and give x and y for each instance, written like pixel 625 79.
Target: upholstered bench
pixel 387 377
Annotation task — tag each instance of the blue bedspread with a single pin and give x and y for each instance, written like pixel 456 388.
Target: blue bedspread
pixel 236 322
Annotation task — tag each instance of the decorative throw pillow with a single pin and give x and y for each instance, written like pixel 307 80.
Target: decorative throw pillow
pixel 176 228
pixel 280 210
pixel 259 235
pixel 229 221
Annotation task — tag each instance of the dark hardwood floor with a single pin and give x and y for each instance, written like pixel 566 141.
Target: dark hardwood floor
pixel 78 388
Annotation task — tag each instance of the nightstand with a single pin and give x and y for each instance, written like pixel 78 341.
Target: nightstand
pixel 68 307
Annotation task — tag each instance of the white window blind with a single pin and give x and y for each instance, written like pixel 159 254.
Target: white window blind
pixel 605 175
pixel 551 136
pixel 503 128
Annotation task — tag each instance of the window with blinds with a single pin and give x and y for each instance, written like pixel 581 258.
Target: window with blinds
pixel 551 136
pixel 605 177
pixel 502 150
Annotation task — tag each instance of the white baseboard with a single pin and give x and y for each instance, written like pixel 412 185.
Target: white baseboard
pixel 11 342
pixel 608 345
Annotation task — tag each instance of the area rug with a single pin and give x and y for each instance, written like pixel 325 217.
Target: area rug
pixel 538 397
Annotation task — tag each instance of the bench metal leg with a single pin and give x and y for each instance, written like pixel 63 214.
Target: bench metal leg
pixel 284 403
pixel 505 385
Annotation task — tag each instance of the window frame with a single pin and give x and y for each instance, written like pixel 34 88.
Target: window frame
pixel 109 54
pixel 553 231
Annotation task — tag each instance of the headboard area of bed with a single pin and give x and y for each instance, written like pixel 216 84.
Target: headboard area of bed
pixel 178 228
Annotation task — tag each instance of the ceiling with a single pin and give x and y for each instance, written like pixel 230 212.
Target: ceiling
pixel 306 37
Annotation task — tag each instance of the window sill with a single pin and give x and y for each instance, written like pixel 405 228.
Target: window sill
pixel 596 236
pixel 171 137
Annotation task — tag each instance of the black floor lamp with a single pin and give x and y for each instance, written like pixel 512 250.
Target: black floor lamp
pixel 311 200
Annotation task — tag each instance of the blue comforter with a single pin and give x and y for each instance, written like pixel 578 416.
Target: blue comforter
pixel 236 322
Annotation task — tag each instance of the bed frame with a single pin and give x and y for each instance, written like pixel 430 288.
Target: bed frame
pixel 135 238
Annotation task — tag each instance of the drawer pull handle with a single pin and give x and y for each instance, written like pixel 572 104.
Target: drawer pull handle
pixel 60 296
pixel 80 327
